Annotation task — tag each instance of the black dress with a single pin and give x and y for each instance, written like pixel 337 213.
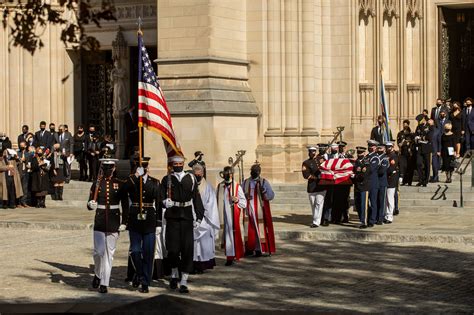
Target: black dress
pixel 58 164
pixel 39 178
pixel 457 121
pixel 446 142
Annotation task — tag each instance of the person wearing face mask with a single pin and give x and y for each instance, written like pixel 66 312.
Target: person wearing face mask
pixel 10 182
pixel 423 138
pixel 436 110
pixel 25 158
pixel 448 151
pixel 378 131
pixel 361 182
pixel 373 166
pixel 457 120
pixel 405 141
pixel 182 202
pixel 80 150
pixel 24 132
pixel 230 201
pixel 106 196
pixel 5 142
pixel 58 172
pixel 144 222
pixel 377 217
pixel 392 182
pixel 316 192
pixel 54 133
pixel 436 143
pixel 198 160
pixel 40 178
pixel 43 138
pixel 258 225
pixel 205 235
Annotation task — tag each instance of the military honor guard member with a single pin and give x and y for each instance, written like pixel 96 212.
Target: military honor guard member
pixel 144 222
pixel 341 193
pixel 258 224
pixel 392 181
pixel 106 196
pixel 361 185
pixel 180 191
pixel 383 184
pixel 316 192
pixel 231 201
pixel 374 162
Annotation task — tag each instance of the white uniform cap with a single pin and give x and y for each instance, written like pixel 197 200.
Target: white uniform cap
pixel 108 161
pixel 312 148
pixel 334 145
pixel 176 158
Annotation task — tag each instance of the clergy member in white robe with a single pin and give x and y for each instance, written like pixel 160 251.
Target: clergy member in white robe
pixel 207 232
pixel 231 201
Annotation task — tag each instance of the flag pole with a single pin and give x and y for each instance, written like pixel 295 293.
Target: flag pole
pixel 140 127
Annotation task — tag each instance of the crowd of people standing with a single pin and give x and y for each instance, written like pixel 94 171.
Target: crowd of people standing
pixel 42 163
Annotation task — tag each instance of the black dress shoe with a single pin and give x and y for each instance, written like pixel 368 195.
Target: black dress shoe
pixel 102 289
pixel 379 223
pixel 396 212
pixel 370 225
pixel 144 289
pixel 95 282
pixel 258 253
pixel 363 226
pixel 424 185
pixel 387 222
pixel 248 253
pixel 313 226
pixel 345 221
pixel 174 283
pixel 229 262
pixel 325 223
pixel 183 289
pixel 135 282
pixel 419 184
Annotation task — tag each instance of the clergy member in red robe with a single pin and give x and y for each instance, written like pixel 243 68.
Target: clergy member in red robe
pixel 231 202
pixel 258 225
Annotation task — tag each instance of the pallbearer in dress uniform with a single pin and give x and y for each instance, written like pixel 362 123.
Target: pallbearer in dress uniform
pixel 258 224
pixel 341 192
pixel 383 184
pixel 143 223
pixel 361 181
pixel 374 162
pixel 316 192
pixel 392 179
pixel 105 197
pixel 181 191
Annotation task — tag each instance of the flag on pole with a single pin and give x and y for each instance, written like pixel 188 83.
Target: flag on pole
pixel 153 113
pixel 384 105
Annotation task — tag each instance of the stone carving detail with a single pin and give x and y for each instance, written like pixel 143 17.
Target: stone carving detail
pixel 119 46
pixel 414 9
pixel 134 11
pixel 390 8
pixel 367 7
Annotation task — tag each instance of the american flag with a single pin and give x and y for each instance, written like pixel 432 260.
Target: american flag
pixel 153 113
pixel 336 171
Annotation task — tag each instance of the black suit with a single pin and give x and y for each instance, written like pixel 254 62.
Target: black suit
pixel 469 127
pixel 43 139
pixel 22 138
pixel 425 133
pixel 66 142
pixel 436 110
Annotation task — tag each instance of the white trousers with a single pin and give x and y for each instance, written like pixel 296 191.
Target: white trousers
pixel 104 249
pixel 317 203
pixel 390 204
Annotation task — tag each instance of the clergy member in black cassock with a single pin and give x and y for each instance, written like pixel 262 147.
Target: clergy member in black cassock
pixel 143 225
pixel 182 197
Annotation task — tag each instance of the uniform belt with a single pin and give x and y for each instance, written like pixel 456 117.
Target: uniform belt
pixel 112 207
pixel 181 204
pixel 148 205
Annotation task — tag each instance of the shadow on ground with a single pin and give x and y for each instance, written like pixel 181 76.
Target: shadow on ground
pixel 310 277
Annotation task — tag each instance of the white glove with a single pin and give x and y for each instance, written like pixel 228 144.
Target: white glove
pixel 168 203
pixel 196 224
pixel 158 230
pixel 140 171
pixel 122 227
pixel 92 205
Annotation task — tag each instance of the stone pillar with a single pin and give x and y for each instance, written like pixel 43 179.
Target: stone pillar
pixel 203 70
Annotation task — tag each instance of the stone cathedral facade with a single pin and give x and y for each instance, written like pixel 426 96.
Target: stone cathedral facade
pixel 265 76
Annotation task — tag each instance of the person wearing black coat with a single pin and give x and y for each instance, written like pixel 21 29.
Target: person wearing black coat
pixel 40 178
pixel 407 161
pixel 448 151
pixel 80 150
pixel 392 179
pixel 361 182
pixel 182 202
pixel 43 138
pixel 22 136
pixel 423 137
pixel 316 193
